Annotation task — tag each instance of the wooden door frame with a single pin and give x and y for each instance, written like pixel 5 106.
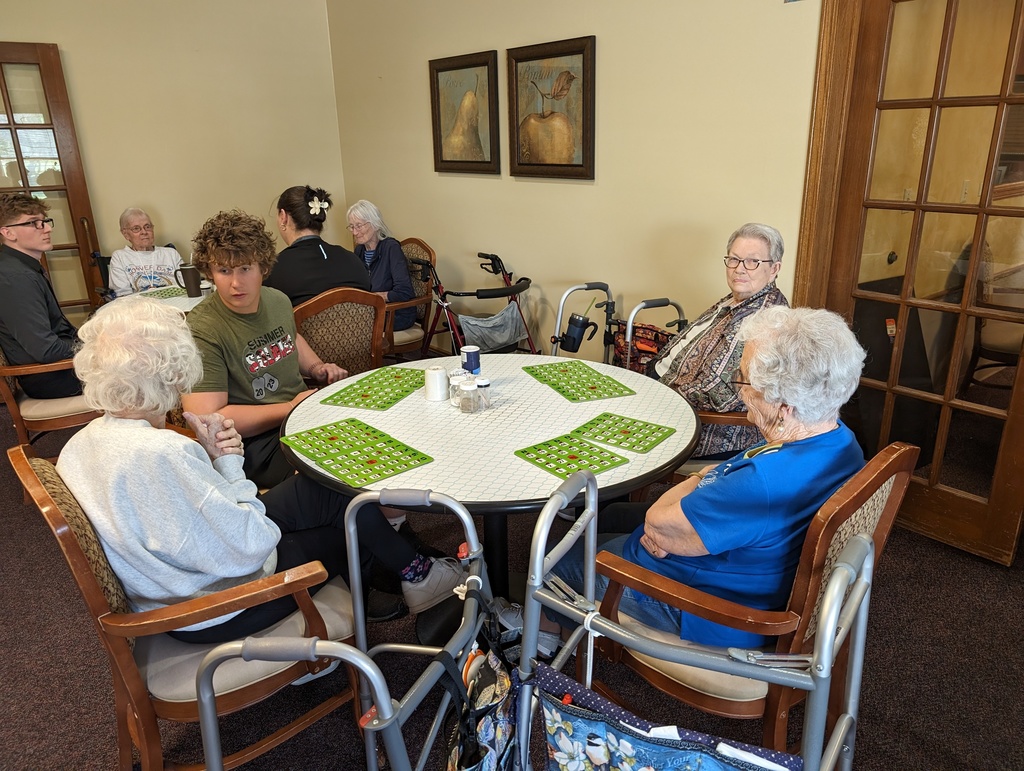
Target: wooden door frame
pixel 830 109
pixel 967 526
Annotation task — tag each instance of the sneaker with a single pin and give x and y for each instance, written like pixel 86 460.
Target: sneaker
pixel 382 606
pixel 510 616
pixel 445 574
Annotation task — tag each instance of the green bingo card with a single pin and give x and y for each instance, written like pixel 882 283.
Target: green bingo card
pixel 356 453
pixel 564 455
pixel 166 294
pixel 379 391
pixel 624 433
pixel 577 382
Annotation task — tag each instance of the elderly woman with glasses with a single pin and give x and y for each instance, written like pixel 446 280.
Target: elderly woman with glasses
pixel 383 257
pixel 177 518
pixel 735 530
pixel 698 362
pixel 141 265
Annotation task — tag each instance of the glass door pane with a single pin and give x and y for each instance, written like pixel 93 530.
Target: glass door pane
pixel 25 87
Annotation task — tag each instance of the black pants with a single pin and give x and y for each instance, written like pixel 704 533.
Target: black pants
pixel 51 385
pixel 265 463
pixel 312 522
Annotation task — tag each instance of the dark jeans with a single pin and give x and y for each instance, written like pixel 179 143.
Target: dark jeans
pixel 265 463
pixel 312 522
pixel 51 385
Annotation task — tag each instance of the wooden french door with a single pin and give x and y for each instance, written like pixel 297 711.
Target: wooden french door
pixel 39 156
pixel 927 250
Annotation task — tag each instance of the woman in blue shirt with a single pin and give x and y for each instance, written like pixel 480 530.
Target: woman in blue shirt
pixel 735 530
pixel 384 259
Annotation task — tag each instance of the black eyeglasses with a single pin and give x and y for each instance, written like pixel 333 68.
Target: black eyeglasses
pixel 37 224
pixel 736 378
pixel 749 263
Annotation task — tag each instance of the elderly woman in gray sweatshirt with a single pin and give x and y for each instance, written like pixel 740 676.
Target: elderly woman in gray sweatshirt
pixel 177 518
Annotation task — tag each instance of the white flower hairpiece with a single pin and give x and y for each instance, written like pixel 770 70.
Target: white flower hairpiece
pixel 316 206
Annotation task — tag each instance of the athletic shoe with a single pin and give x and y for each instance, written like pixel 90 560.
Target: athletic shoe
pixel 445 574
pixel 382 606
pixel 510 615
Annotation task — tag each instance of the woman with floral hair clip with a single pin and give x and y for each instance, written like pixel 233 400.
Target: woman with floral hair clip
pixel 309 266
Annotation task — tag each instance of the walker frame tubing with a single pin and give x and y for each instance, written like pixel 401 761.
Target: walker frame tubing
pixel 855 568
pixel 608 305
pixel 458 646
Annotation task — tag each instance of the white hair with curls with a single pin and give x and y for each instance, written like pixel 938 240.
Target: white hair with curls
pixel 137 356
pixel 807 358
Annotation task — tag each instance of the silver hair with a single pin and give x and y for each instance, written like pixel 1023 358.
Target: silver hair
pixel 137 356
pixel 367 212
pixel 766 233
pixel 807 358
pixel 130 212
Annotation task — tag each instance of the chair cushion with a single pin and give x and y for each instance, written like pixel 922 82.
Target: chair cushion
pixel 169 666
pixel 47 409
pixel 408 336
pixel 705 681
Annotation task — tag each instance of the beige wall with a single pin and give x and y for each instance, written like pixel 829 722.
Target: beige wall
pixel 188 107
pixel 703 109
pixel 702 124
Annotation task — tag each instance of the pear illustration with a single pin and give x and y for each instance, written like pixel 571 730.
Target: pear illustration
pixel 463 141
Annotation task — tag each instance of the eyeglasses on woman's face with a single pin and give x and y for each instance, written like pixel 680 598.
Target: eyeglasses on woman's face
pixel 136 229
pixel 750 263
pixel 37 224
pixel 357 227
pixel 736 378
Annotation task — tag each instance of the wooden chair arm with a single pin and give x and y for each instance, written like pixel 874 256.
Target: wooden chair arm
pixel 295 581
pixel 723 418
pixel 422 299
pixel 619 571
pixel 18 370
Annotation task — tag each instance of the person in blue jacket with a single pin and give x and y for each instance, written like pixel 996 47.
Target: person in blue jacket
pixel 384 259
pixel 736 529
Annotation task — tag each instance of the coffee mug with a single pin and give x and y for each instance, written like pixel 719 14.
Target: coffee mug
pixel 578 326
pixel 190 279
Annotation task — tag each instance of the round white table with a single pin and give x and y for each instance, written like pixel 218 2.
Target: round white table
pixel 473 453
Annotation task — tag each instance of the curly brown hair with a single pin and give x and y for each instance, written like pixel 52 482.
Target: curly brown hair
pixel 13 205
pixel 233 238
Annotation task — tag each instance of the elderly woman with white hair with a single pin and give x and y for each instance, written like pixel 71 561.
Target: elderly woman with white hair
pixel 177 518
pixel 141 264
pixel 735 530
pixel 384 259
pixel 698 361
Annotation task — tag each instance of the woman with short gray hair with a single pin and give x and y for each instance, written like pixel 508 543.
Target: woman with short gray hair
pixel 384 259
pixel 697 362
pixel 736 529
pixel 177 518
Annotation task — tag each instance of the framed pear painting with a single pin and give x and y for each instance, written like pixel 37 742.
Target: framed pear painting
pixel 551 109
pixel 464 112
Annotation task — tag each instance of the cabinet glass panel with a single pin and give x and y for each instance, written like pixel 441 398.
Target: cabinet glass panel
pixel 1001 273
pixel 971 451
pixel 873 321
pixel 914 49
pixel 25 87
pixel 896 168
pixel 991 356
pixel 863 415
pixel 917 422
pixel 885 248
pixel 928 349
pixel 60 212
pixel 65 269
pixel 3 112
pixel 1008 178
pixel 961 151
pixel 10 175
pixel 980 38
pixel 943 255
pixel 39 151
